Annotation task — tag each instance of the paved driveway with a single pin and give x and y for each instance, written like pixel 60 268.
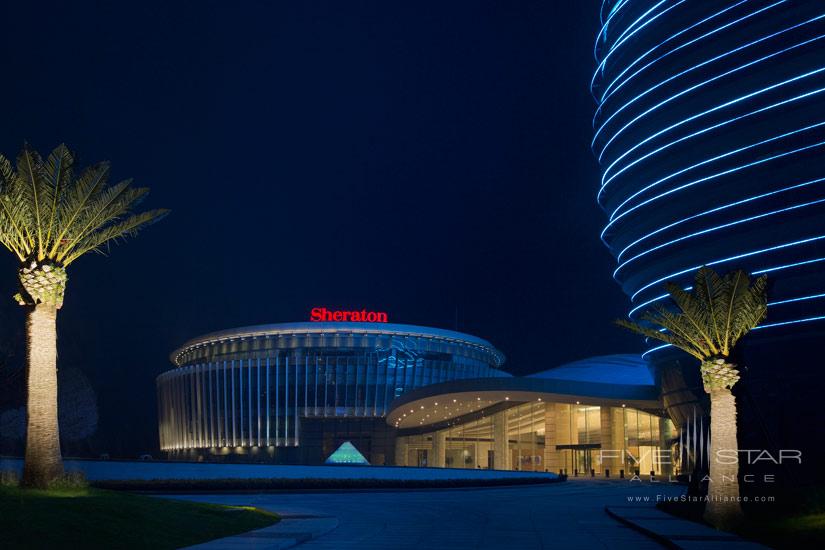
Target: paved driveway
pixel 561 515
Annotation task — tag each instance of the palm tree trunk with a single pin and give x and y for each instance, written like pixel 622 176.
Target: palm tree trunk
pixel 723 510
pixel 43 463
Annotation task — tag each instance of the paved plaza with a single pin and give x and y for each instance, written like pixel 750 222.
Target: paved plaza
pixel 560 515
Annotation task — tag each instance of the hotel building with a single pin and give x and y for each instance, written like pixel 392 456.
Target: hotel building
pixel 408 396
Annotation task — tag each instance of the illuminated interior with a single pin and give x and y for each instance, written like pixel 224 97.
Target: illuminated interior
pixel 570 438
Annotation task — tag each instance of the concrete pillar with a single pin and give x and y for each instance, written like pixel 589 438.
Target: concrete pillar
pixel 612 439
pixel 400 451
pixel 664 456
pixel 553 459
pixel 566 434
pixel 501 448
pixel 439 456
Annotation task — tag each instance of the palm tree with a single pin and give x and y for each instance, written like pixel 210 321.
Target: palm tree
pixel 712 317
pixel 49 218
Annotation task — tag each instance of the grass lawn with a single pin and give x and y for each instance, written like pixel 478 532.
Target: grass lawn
pixel 798 529
pixel 94 518
pixel 804 531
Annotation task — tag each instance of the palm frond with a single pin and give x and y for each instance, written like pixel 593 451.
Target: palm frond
pixel 666 337
pixel 710 319
pixel 695 311
pixel 128 227
pixel 58 173
pixel 30 172
pixel 109 205
pixel 752 309
pixel 77 198
pixel 709 288
pixel 679 325
pixel 12 214
pixel 49 215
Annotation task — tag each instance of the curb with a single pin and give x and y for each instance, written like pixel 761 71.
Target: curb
pixel 292 530
pixel 673 532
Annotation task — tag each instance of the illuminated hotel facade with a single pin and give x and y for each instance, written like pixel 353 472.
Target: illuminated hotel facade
pixel 404 395
pixel 710 131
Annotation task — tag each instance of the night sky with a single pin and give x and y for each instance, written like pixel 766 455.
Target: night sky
pixel 426 159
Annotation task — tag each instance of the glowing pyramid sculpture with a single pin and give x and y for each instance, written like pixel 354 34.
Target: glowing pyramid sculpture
pixel 347 454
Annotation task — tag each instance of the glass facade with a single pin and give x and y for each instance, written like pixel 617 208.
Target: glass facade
pixel 537 436
pixel 254 392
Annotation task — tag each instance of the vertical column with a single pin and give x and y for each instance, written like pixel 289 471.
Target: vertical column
pixel 553 459
pixel 567 433
pixel 286 400
pixel 612 439
pixel 401 451
pixel 268 439
pixel 663 459
pixel 240 403
pixel 209 373
pixel 249 437
pixel 296 428
pixel 277 389
pixel 233 411
pixel 501 447
pixel 258 374
pixel 439 459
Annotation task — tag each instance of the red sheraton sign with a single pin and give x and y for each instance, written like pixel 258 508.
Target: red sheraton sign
pixel 323 314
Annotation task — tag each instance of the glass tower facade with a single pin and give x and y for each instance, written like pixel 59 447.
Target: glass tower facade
pixel 710 133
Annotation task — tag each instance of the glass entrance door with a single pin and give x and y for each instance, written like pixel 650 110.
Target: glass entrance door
pixel 582 461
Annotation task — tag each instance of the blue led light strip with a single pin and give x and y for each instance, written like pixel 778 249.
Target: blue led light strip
pixel 760 327
pixel 602 34
pixel 717 209
pixel 707 178
pixel 616 7
pixel 697 133
pixel 628 34
pixel 608 94
pixel 718 157
pixel 793 322
pixel 800 299
pixel 728 259
pixel 703 113
pixel 759 272
pixel 711 229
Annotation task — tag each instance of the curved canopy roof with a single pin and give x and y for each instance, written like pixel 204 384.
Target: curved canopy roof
pixel 629 369
pixel 614 380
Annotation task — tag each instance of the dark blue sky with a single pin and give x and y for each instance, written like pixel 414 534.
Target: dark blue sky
pixel 419 158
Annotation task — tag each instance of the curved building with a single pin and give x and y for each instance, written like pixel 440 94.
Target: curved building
pixel 710 131
pixel 403 395
pixel 305 385
pixel 590 417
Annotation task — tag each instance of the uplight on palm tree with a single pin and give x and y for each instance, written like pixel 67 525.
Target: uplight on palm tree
pixel 50 217
pixel 712 317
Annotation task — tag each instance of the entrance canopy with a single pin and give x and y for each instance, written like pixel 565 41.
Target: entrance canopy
pixel 615 381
